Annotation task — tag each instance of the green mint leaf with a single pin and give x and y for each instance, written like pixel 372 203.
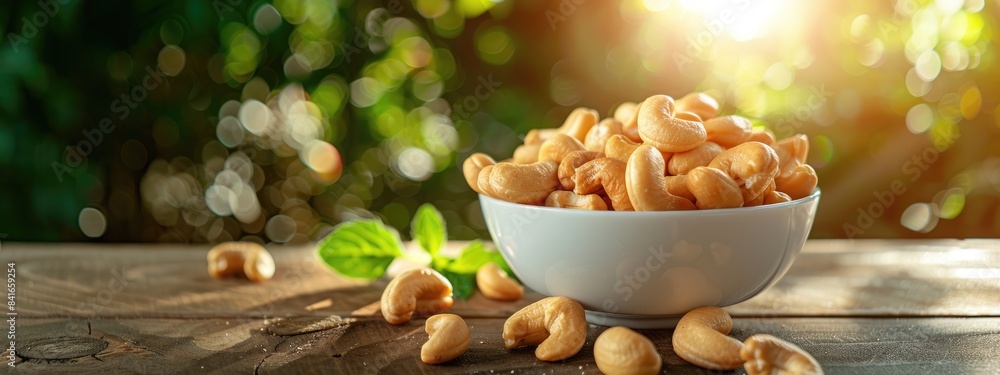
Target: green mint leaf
pixel 474 256
pixel 428 229
pixel 462 284
pixel 361 249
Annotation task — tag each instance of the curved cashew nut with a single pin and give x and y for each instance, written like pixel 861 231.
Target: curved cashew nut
pixel 569 164
pixel 526 154
pixel 769 191
pixel 728 131
pixel 791 152
pixel 619 147
pixel 700 338
pixel 684 162
pixel 421 290
pixel 660 129
pixel 763 136
pixel 620 350
pixel 240 258
pixel 766 354
pixel 537 136
pixel 472 166
pixel 598 135
pixel 556 324
pixel 700 104
pixel 557 147
pixel 520 183
pixel 569 199
pixel 604 173
pixel 713 188
pixel 579 122
pixel 753 165
pixel 799 184
pixel 646 185
pixel 495 284
pixel 449 338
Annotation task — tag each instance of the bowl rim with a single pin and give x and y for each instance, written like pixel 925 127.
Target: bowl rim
pixel 684 213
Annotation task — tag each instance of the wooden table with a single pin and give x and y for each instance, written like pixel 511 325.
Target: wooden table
pixel 878 307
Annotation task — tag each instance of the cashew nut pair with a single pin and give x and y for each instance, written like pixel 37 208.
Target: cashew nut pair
pixel 701 339
pixel 248 259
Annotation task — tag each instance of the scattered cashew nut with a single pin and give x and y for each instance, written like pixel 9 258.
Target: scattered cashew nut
pixel 556 324
pixel 449 338
pixel 495 284
pixel 606 173
pixel 520 183
pixel 659 128
pixel 620 350
pixel 472 166
pixel 700 338
pixel 766 354
pixel 646 185
pixel 240 258
pixel 421 291
pixel 569 199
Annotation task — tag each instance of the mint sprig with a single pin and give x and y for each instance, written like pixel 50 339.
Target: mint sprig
pixel 364 249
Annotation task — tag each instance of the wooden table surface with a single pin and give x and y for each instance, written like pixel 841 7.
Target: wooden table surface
pixel 867 306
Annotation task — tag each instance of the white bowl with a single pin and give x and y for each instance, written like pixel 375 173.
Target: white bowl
pixel 646 269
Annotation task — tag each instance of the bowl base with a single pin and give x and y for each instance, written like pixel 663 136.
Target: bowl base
pixel 632 321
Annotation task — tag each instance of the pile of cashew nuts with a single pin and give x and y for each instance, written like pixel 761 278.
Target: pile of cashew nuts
pixel 656 155
pixel 557 328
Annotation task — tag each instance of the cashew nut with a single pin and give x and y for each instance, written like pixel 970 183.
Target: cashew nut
pixel 537 136
pixel 472 166
pixel 791 152
pixel 419 291
pixel 684 162
pixel 569 199
pixel 598 135
pixel 762 136
pixel 569 164
pixel 677 185
pixel 556 324
pixel 495 284
pixel 526 154
pixel 760 199
pixel 646 185
pixel 520 183
pixel 658 127
pixel 766 354
pixel 557 147
pixel 625 111
pixel 700 338
pixel 579 122
pixel 799 184
pixel 713 188
pixel 620 350
pixel 752 165
pixel 700 104
pixel 775 196
pixel 240 258
pixel 683 115
pixel 728 131
pixel 619 147
pixel 630 123
pixel 604 173
pixel 449 338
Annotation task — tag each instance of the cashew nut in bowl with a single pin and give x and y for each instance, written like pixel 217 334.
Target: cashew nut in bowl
pixel 579 122
pixel 598 135
pixel 472 166
pixel 449 338
pixel 698 103
pixel 630 123
pixel 713 188
pixel 763 136
pixel 753 165
pixel 619 350
pixel 240 258
pixel 520 183
pixel 775 196
pixel 619 147
pixel 728 131
pixel 537 136
pixel 625 111
pixel 677 185
pixel 526 154
pixel 569 164
pixel 646 185
pixel 569 199
pixel 791 152
pixel 766 354
pixel 684 162
pixel 556 324
pixel 769 191
pixel 700 338
pixel 557 147
pixel 606 173
pixel 495 284
pixel 659 128
pixel 421 291
pixel 799 184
